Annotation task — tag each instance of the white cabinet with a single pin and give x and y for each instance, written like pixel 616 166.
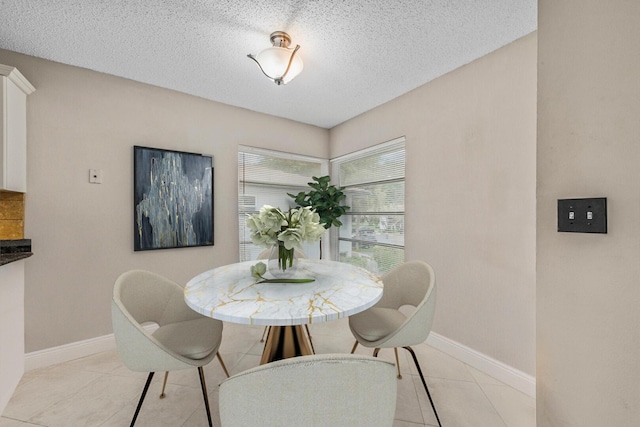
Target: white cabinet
pixel 11 329
pixel 14 88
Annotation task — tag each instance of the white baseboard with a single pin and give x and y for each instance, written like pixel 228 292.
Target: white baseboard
pixel 502 372
pixel 64 353
pixel 75 350
pixel 494 368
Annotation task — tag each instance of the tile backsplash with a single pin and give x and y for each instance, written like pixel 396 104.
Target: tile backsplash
pixel 11 215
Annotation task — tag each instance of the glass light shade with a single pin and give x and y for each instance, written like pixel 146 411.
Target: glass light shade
pixel 274 61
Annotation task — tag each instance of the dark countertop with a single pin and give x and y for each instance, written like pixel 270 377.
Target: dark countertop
pixel 9 258
pixel 14 250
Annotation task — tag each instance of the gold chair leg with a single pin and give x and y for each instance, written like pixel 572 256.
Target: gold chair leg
pixel 354 347
pixel 395 349
pixel 264 333
pixel 224 368
pixel 313 350
pixel 164 384
pixel 375 354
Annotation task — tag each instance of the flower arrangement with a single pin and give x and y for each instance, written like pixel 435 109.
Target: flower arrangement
pixel 271 226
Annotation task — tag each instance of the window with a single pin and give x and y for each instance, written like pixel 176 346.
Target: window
pixel 264 178
pixel 372 234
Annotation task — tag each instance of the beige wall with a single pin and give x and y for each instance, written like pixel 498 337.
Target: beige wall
pixel 588 344
pixel 82 233
pixel 470 195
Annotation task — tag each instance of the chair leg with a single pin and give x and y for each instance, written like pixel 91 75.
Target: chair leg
pixel 204 394
pixel 354 347
pixel 224 368
pixel 415 360
pixel 164 384
pixel 144 393
pixel 375 354
pixel 313 350
pixel 395 349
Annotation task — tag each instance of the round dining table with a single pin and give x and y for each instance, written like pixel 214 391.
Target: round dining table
pixel 230 293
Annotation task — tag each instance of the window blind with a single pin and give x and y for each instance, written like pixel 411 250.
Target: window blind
pixel 264 178
pixel 372 234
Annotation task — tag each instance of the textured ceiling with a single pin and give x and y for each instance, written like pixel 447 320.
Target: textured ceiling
pixel 357 54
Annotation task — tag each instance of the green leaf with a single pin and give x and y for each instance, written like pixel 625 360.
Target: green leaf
pixel 286 281
pixel 324 199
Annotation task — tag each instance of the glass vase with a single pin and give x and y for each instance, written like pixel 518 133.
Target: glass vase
pixel 283 262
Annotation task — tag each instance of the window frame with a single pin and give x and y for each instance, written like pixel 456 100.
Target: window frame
pixel 335 239
pixel 324 170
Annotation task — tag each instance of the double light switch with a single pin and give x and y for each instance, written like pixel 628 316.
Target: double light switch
pixel 583 215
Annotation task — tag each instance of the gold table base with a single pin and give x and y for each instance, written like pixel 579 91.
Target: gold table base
pixel 284 342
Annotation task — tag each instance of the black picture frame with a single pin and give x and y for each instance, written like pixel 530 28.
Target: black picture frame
pixel 172 199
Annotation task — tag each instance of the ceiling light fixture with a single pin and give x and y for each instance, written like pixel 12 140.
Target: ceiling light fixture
pixel 279 63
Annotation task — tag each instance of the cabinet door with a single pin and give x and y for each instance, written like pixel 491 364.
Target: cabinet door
pixel 11 329
pixel 14 89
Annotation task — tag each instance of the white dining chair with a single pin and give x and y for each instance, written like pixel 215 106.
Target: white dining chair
pixel 184 339
pixel 386 326
pixel 326 390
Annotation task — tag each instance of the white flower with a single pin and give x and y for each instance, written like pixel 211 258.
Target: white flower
pixel 291 237
pixel 272 218
pixel 271 225
pixel 260 234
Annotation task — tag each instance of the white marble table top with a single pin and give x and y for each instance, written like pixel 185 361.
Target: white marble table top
pixel 229 293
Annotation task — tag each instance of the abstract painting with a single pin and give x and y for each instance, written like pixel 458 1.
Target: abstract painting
pixel 173 199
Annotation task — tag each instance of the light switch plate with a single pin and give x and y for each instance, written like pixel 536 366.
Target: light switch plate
pixel 95 176
pixel 582 215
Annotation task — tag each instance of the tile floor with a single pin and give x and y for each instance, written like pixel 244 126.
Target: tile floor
pixel 99 391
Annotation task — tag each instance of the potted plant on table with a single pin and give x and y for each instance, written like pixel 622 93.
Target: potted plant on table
pixel 325 200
